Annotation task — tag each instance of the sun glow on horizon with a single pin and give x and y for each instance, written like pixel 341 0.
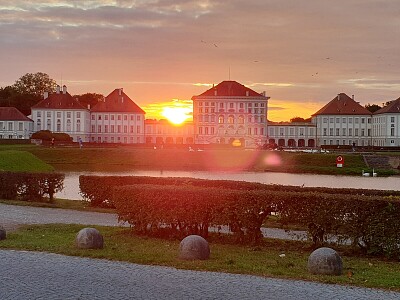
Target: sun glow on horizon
pixel 176 115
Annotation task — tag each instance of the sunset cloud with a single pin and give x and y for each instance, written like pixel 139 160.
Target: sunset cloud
pixel 158 50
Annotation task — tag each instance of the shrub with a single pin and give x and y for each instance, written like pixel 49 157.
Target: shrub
pixel 182 206
pixel 30 186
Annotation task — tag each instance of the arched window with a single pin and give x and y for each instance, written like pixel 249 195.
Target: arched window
pixel 68 125
pixel 241 119
pixel 78 125
pixel 221 119
pixel 231 119
pixel 58 125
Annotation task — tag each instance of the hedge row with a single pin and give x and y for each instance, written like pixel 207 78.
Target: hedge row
pixel 30 186
pixel 368 219
pixel 185 210
pixel 97 190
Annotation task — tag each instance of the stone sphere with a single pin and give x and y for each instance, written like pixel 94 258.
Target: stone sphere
pixel 3 234
pixel 194 247
pixel 89 238
pixel 325 261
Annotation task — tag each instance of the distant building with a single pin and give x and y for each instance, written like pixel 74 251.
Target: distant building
pixel 288 134
pixel 14 124
pixel 343 121
pixel 117 119
pixel 386 125
pixel 163 132
pixel 60 112
pixel 230 113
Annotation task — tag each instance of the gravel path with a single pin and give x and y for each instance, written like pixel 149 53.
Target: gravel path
pixel 36 275
pixel 12 215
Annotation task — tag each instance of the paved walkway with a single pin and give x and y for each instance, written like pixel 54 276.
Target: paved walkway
pixel 35 275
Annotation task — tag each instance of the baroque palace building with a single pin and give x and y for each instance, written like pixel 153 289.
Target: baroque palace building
pixel 230 113
pixel 226 114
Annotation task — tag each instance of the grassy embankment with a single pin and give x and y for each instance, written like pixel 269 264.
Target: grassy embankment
pixel 124 158
pixel 22 161
pixel 122 245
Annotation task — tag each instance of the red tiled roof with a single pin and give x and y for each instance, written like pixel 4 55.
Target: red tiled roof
pixel 12 114
pixel 117 101
pixel 343 105
pixel 59 101
pixel 392 107
pixel 229 88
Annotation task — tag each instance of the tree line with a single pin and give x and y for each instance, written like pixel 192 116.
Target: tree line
pixel 28 90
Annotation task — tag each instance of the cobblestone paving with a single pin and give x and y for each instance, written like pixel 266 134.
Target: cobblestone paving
pixel 33 275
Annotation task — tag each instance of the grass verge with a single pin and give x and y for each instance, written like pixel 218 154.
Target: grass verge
pixel 122 245
pixel 22 161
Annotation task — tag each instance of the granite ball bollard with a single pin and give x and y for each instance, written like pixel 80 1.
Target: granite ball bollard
pixel 194 247
pixel 3 234
pixel 89 238
pixel 325 261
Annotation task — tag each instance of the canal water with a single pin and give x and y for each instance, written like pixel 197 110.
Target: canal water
pixel 71 182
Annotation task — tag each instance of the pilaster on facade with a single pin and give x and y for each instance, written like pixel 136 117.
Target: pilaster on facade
pixel 60 112
pixel 14 124
pixel 232 114
pixel 117 119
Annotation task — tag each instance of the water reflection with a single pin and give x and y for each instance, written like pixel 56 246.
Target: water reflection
pixel 71 183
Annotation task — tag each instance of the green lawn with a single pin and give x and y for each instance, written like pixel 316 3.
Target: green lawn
pixel 126 158
pixel 122 245
pixel 22 161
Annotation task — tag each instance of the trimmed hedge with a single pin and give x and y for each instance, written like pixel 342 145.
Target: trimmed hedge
pixel 30 186
pixel 97 190
pixel 181 206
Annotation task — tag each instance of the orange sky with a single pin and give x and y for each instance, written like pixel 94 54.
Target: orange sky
pixel 302 53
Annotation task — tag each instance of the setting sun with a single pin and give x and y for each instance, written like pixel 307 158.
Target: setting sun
pixel 176 115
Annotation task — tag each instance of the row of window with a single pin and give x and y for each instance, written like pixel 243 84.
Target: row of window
pixel 344 132
pixel 117 139
pixel 118 117
pixel 114 129
pixel 10 126
pixel 211 131
pixel 10 136
pixel 231 119
pixel 349 142
pixel 58 114
pixel 281 131
pixel 344 120
pixel 383 120
pixel 249 110
pixel 231 104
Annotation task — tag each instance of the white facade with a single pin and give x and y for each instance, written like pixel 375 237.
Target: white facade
pixel 386 125
pixel 343 130
pixel 232 114
pixel 73 122
pixel 126 128
pixel 163 132
pixel 15 129
pixel 285 134
pixel 59 112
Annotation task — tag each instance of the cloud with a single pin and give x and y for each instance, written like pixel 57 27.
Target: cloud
pixel 373 84
pixel 164 49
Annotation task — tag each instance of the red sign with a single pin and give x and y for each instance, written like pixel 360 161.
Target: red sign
pixel 339 161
